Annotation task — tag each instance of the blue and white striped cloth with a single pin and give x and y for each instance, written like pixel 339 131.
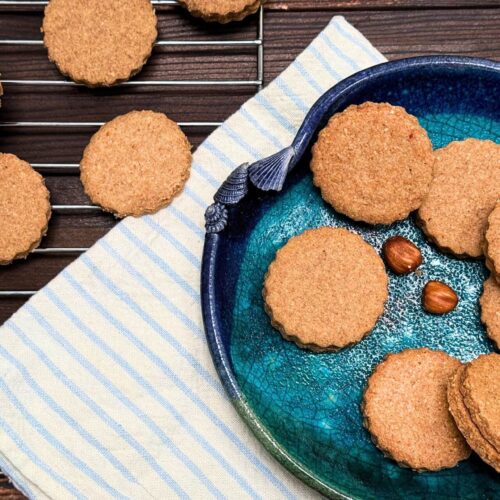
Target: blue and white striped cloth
pixel 107 388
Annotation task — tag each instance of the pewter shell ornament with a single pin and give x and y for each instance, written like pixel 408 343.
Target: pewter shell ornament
pixel 216 218
pixel 268 174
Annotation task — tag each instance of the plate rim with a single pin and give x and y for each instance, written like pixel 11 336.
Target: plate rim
pixel 211 246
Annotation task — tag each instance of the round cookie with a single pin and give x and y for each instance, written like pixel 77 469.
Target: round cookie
pixel 492 243
pixel 463 192
pixel 136 163
pixel 24 208
pixel 481 393
pixel 222 11
pixel 325 289
pixel 373 163
pixel 99 42
pixel 405 410
pixel 465 424
pixel 490 309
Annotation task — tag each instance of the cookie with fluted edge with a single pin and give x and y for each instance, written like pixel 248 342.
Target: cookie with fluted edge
pixel 492 243
pixel 464 190
pixel 481 394
pixel 99 42
pixel 136 163
pixel 24 208
pixel 222 11
pixel 405 410
pixel 490 309
pixel 465 424
pixel 373 162
pixel 325 289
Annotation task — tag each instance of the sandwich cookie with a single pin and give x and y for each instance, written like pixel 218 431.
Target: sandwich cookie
pixel 222 11
pixel 325 289
pixel 492 243
pixel 136 163
pixel 24 208
pixel 490 309
pixel 405 410
pixel 373 163
pixel 99 42
pixel 464 190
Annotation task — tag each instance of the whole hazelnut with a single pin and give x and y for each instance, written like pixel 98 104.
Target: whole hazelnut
pixel 439 298
pixel 401 255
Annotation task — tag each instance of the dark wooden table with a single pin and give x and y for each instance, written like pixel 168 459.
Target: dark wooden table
pixel 398 28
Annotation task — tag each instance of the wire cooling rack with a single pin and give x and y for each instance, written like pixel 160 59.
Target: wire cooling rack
pixel 64 168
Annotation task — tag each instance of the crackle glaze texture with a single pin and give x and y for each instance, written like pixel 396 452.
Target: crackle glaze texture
pixel 310 403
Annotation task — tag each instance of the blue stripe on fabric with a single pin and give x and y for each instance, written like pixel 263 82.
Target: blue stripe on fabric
pixel 240 141
pixel 279 117
pixel 84 362
pixel 221 156
pixel 362 44
pixel 181 248
pixel 197 167
pixel 326 65
pixel 126 265
pixel 154 325
pixel 33 457
pixel 100 412
pixel 331 45
pixel 118 325
pixel 153 393
pixel 161 263
pixel 307 77
pixel 265 132
pixel 56 408
pixel 296 99
pixel 195 197
pixel 56 444
pixel 187 222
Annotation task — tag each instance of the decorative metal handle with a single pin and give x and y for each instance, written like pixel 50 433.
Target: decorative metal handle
pixel 268 174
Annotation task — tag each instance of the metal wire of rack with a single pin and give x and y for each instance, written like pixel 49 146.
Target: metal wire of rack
pixel 258 43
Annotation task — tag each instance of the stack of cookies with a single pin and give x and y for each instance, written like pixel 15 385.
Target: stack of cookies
pixel 474 402
pixel 327 287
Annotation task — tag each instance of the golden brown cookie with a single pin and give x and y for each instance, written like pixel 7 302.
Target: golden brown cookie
pixel 492 243
pixel 99 42
pixel 325 289
pixel 481 394
pixel 24 208
pixel 490 309
pixel 373 163
pixel 136 163
pixel 465 424
pixel 222 11
pixel 405 410
pixel 463 192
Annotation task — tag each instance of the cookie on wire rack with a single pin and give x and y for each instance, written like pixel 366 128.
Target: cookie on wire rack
pixel 24 208
pixel 136 163
pixel 99 42
pixel 222 11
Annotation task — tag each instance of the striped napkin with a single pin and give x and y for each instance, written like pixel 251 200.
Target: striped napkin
pixel 107 388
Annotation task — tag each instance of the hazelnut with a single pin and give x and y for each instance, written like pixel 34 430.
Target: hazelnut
pixel 439 298
pixel 401 255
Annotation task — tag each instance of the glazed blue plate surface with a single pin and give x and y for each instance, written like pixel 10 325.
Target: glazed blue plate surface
pixel 305 407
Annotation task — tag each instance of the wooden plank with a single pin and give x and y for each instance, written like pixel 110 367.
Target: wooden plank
pixel 332 5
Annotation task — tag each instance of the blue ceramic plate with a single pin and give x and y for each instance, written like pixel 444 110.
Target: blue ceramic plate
pixel 304 407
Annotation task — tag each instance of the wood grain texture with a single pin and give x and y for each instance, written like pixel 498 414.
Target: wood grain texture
pixel 398 28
